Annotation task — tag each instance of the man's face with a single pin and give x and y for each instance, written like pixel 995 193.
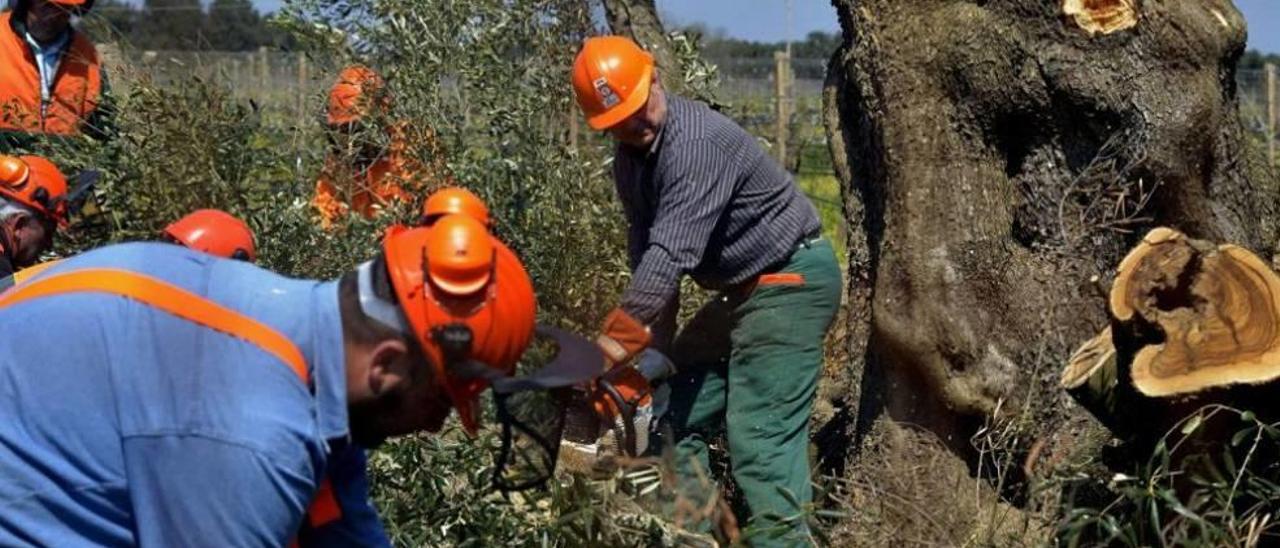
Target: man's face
pixel 641 128
pixel 46 21
pixel 418 405
pixel 31 236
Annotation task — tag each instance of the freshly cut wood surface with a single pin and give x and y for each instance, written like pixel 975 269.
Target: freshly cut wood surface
pixel 1211 314
pixel 1101 16
pixel 1085 362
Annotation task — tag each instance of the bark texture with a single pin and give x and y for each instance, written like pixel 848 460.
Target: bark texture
pixel 996 155
pixel 638 20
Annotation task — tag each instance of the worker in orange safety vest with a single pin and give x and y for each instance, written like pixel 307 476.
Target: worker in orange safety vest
pixel 53 82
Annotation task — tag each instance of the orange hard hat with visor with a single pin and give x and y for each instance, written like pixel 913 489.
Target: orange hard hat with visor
pixel 35 183
pixel 611 79
pixel 467 300
pixel 358 90
pixel 215 232
pixel 452 200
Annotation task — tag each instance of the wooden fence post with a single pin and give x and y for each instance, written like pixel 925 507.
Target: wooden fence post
pixel 1272 113
pixel 235 76
pixel 781 75
pixel 302 87
pixel 264 69
pixel 251 70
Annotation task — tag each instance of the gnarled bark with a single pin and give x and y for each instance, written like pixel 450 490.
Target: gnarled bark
pixel 1002 153
pixel 638 20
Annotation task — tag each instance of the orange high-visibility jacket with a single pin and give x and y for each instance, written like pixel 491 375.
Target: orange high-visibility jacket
pixel 77 87
pixel 395 176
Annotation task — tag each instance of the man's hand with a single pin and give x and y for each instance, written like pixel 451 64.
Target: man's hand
pixel 622 337
pixel 628 385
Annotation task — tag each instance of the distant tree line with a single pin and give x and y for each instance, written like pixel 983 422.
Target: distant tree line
pixel 748 58
pixel 717 45
pixel 1255 60
pixel 222 25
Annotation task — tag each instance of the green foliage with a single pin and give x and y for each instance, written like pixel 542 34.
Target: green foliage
pixel 816 45
pixel 1193 490
pixel 222 25
pixel 179 148
pixel 1256 60
pixel 489 78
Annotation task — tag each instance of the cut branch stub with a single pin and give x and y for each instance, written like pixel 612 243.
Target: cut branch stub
pixel 1101 16
pixel 1088 359
pixel 1093 378
pixel 1208 316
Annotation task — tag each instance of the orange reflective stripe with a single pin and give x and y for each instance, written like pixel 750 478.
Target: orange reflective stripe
pixel 324 509
pixel 163 296
pixel 781 278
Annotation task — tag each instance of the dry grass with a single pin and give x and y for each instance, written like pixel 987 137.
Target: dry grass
pixel 907 489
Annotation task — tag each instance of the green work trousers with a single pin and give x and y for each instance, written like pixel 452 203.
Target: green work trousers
pixel 748 366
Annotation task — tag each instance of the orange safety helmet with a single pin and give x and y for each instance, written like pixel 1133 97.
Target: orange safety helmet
pixel 467 299
pixel 611 77
pixel 75 7
pixel 349 99
pixel 83 5
pixel 452 200
pixel 215 232
pixel 35 183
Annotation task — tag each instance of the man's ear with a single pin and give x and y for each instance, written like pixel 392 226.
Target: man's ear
pixel 21 221
pixel 389 368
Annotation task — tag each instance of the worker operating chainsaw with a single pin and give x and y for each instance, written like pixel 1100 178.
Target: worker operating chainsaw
pixel 190 400
pixel 703 199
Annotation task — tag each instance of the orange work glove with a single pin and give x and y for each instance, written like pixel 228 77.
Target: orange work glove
pixel 630 428
pixel 630 384
pixel 622 337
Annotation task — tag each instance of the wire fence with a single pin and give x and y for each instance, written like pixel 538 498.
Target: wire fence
pixel 278 79
pixel 295 85
pixel 1251 88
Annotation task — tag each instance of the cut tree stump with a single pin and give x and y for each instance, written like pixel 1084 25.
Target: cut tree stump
pixel 1191 323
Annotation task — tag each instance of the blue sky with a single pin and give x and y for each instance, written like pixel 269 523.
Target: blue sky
pixel 766 20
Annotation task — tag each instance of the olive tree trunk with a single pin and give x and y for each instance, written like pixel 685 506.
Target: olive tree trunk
pixel 998 156
pixel 638 20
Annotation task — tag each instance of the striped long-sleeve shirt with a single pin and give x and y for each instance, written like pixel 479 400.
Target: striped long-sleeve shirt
pixel 704 200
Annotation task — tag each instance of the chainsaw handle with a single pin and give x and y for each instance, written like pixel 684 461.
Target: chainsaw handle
pixel 626 411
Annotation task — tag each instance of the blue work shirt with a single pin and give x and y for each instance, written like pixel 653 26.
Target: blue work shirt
pixel 121 424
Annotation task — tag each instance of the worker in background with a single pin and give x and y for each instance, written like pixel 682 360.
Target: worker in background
pixel 215 232
pixel 221 234
pixel 32 207
pixel 451 200
pixel 212 231
pixel 703 199
pixel 368 168
pixel 211 396
pixel 53 82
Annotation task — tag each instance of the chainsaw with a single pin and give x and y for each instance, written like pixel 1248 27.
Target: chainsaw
pixel 618 410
